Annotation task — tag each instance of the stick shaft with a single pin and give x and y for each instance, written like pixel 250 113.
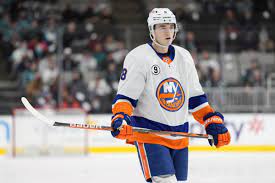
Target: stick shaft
pixel 135 129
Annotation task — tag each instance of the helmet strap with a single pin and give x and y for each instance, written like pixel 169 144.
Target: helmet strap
pixel 155 41
pixel 153 38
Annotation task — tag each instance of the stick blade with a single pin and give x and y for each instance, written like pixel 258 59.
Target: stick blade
pixel 35 113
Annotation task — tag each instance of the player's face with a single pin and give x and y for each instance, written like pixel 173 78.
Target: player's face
pixel 164 33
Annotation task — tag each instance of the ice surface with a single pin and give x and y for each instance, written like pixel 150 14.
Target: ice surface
pixel 210 167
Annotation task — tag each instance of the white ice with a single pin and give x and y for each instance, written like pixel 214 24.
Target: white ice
pixel 210 167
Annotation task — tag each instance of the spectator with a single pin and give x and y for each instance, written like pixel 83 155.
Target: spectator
pixel 191 43
pixel 34 88
pixel 5 26
pixel 77 86
pixel 100 93
pixel 253 75
pixel 232 30
pixel 34 31
pixel 231 23
pixel 18 55
pixel 50 72
pixel 109 43
pixel 100 55
pixel 68 101
pixel 105 15
pixel 112 77
pixel 99 87
pixel 202 77
pixel 207 63
pixel 89 13
pixel 6 49
pixel 28 74
pixel 69 35
pixel 50 33
pixel 119 53
pixel 249 38
pixel 69 14
pixel 215 78
pixel 265 43
pixel 69 63
pixel 87 62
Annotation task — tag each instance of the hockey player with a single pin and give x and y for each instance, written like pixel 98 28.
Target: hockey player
pixel 158 86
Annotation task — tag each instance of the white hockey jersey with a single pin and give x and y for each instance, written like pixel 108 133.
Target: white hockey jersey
pixel 161 91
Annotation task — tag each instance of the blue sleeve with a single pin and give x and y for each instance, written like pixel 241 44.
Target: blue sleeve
pixel 123 97
pixel 196 101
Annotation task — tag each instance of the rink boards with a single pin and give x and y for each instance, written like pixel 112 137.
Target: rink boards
pixel 250 132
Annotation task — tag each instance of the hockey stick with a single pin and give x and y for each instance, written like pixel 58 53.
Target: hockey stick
pixel 50 122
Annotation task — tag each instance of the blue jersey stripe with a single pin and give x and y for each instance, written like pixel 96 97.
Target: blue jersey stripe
pixel 132 101
pixel 149 124
pixel 197 101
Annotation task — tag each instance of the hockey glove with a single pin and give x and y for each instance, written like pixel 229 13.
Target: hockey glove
pixel 121 126
pixel 214 126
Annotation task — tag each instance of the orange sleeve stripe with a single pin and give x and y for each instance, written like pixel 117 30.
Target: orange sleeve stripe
pixel 124 107
pixel 198 115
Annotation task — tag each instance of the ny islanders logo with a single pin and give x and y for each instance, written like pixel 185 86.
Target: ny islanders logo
pixel 170 94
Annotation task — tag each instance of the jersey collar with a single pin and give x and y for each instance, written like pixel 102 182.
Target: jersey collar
pixel 165 57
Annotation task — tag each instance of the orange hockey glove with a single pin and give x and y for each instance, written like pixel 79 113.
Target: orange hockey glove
pixel 214 126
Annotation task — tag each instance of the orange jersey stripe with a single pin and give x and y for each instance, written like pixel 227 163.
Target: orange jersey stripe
pixel 198 115
pixel 144 161
pixel 168 95
pixel 124 107
pixel 155 139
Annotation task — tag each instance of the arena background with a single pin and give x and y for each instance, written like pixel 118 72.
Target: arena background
pixel 66 58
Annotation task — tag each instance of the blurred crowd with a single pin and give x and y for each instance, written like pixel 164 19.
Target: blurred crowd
pixel 230 27
pixel 244 24
pixel 30 32
pixel 88 71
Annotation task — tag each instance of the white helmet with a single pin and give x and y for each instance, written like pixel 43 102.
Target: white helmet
pixel 160 16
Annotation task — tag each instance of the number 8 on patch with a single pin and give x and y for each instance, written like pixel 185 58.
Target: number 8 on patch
pixel 123 74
